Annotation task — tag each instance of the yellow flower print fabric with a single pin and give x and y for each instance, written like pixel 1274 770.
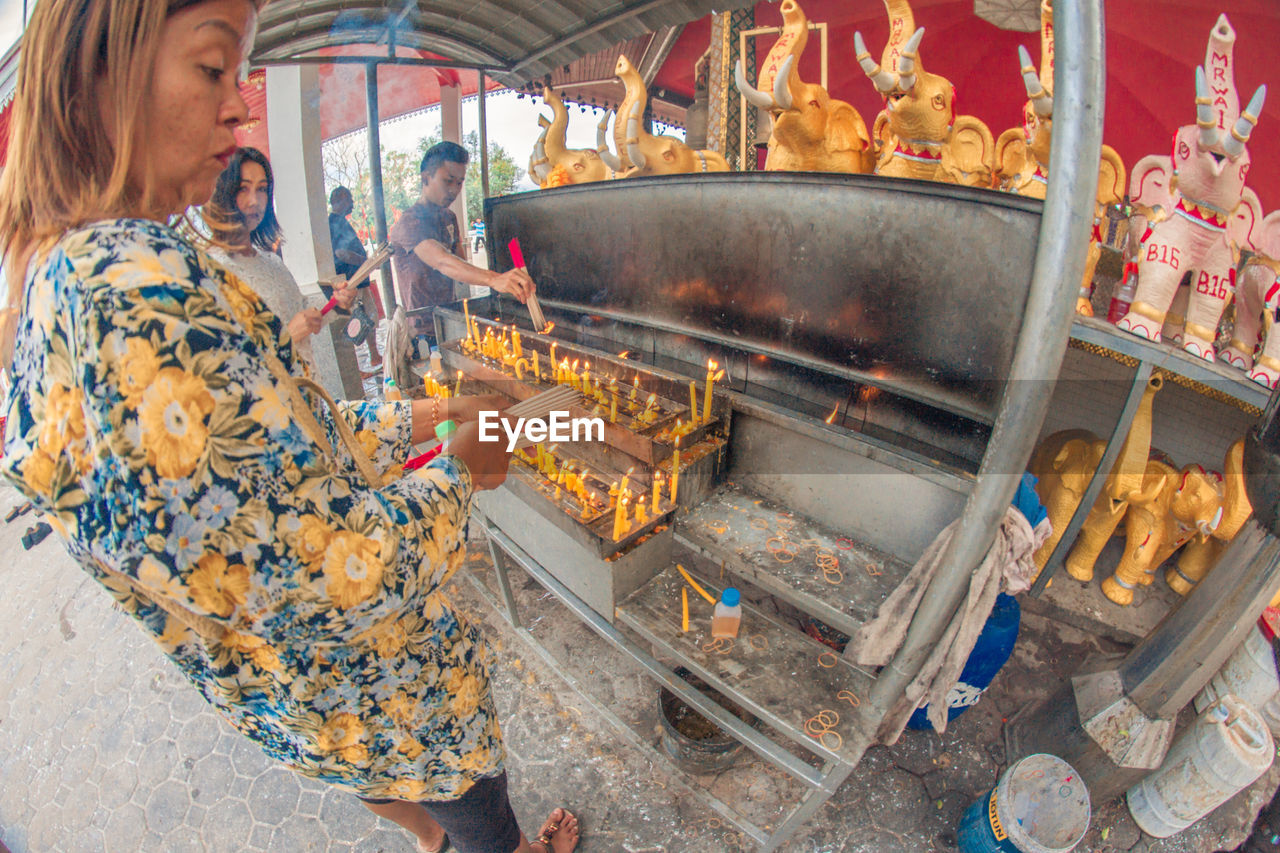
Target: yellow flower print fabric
pixel 144 421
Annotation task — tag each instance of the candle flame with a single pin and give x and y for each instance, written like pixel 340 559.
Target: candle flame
pixel 831 418
pixel 719 375
pixel 711 365
pixel 626 353
pixel 546 330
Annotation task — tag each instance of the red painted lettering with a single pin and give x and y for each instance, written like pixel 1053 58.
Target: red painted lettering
pixel 1219 73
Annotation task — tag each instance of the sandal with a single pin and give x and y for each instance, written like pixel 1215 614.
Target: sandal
pixel 551 827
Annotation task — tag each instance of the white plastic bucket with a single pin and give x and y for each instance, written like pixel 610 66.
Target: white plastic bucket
pixel 1223 751
pixel 1249 674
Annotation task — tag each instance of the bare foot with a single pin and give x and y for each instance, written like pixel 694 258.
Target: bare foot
pixel 562 828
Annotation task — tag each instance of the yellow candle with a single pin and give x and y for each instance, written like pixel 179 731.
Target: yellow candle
pixel 457 385
pixel 581 481
pixel 675 472
pixel 619 513
pixel 515 343
pixel 557 493
pixel 574 379
pixel 613 408
pixel 586 374
pixel 552 358
pixel 613 494
pixel 626 480
pixel 466 315
pixel 693 401
pixel 657 492
pixel 635 388
pixel 706 400
pixel 641 518
pixel 684 608
pixel 537 371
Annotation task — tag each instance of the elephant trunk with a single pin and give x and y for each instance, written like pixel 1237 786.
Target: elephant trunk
pixel 885 81
pixel 1046 46
pixel 1206 115
pixel 1041 100
pixel 636 94
pixel 602 145
pixel 791 43
pixel 634 132
pixel 1220 68
pixel 901 22
pixel 1234 144
pixel 538 163
pixel 1130 469
pixel 554 143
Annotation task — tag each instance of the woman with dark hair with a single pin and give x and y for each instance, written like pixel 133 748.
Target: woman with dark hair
pixel 246 237
pixel 266 538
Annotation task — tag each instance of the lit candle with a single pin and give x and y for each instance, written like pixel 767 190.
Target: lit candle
pixel 613 494
pixel 574 378
pixel 626 480
pixel 675 472
pixel 564 371
pixel 457 385
pixel 581 481
pixel 635 388
pixel 693 401
pixel 619 517
pixel 586 375
pixel 641 518
pixel 706 400
pixel 657 492
pixel 649 406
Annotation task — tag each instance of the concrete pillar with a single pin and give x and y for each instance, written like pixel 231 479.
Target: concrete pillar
pixel 451 131
pixel 293 125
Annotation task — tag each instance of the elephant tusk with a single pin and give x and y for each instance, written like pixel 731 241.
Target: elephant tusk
pixel 1234 145
pixel 907 61
pixel 633 133
pixel 753 95
pixel 885 81
pixel 602 145
pixel 781 83
pixel 1041 101
pixel 1206 118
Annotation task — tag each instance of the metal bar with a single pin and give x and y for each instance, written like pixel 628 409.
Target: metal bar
pixel 504 583
pixel 587 29
pixel 752 739
pixel 1060 254
pixel 484 147
pixel 375 182
pixel 1174 662
pixel 1109 456
pixel 623 728
pixel 810 802
pixel 377 60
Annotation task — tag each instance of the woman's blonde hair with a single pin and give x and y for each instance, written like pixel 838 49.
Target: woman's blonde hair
pixel 84 67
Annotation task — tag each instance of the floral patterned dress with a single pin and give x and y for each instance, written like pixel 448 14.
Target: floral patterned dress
pixel 143 420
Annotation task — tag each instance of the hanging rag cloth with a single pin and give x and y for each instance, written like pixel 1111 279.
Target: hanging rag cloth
pixel 1008 563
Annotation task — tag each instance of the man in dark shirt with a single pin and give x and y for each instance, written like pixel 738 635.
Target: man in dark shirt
pixel 427 243
pixel 349 254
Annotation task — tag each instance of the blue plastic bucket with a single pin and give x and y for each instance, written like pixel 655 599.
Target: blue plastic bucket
pixel 1040 805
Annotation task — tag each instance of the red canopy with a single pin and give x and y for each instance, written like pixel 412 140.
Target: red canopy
pixel 1152 49
pixel 402 89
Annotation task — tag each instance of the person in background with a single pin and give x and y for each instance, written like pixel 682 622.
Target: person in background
pixel 477 236
pixel 160 420
pixel 427 245
pixel 349 254
pixel 241 217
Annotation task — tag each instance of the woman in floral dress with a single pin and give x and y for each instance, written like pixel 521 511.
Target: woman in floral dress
pixel 155 418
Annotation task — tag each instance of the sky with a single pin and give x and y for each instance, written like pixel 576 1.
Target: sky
pixel 11 22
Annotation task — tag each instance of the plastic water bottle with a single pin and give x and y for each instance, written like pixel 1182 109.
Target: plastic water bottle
pixel 728 614
pixel 437 366
pixel 390 391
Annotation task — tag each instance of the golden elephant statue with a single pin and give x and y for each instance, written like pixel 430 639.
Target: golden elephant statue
pixel 1202 553
pixel 812 132
pixel 1257 296
pixel 1063 465
pixel 640 153
pixel 539 166
pixel 1022 153
pixel 1194 196
pixel 1174 507
pixel 919 134
pixel 580 165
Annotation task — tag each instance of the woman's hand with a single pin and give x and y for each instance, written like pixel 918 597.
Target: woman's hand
pixel 345 294
pixel 517 282
pixel 463 409
pixel 486 460
pixel 305 324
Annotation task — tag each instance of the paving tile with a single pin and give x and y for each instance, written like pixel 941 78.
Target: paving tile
pixel 125 827
pixel 150 723
pixel 259 837
pixel 346 819
pixel 298 833
pixel 198 736
pixel 214 778
pixel 227 825
pixel 167 806
pixel 249 761
pixel 184 839
pixel 273 796
pixel 156 763
pixel 117 782
pixel 310 800
pixel 90 840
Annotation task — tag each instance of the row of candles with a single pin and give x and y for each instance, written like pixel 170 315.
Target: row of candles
pixel 506 348
pixel 626 504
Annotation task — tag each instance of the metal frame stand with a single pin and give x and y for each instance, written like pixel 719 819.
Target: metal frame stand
pixel 821 782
